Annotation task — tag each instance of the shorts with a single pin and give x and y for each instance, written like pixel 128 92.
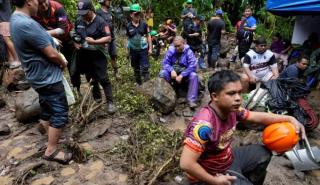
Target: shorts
pixel 265 78
pixel 284 57
pixel 113 49
pixel 5 29
pixel 54 108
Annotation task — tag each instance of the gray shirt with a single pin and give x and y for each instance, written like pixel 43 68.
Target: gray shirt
pixel 187 21
pixel 5 10
pixel 29 38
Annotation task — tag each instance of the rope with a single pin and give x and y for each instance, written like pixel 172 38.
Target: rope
pixel 312 118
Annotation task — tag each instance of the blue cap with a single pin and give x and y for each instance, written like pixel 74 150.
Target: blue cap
pixel 219 12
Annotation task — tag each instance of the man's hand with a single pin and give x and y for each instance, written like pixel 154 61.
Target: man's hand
pixel 63 66
pixel 225 179
pixel 58 42
pixel 77 45
pixel 299 127
pixel 252 80
pixel 90 40
pixel 179 78
pixel 283 52
pixel 150 52
pixel 173 75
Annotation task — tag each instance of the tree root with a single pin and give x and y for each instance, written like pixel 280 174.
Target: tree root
pixel 21 179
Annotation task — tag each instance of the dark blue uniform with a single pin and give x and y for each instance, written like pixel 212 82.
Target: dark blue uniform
pixel 93 60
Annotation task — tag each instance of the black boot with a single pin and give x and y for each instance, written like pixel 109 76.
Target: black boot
pixel 138 77
pixel 146 75
pixel 111 108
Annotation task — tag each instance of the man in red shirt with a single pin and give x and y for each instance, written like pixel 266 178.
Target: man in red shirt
pixel 53 18
pixel 207 156
pixel 236 50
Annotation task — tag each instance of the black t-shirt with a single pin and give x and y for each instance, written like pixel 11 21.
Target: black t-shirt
pixel 215 27
pixel 5 11
pixel 194 41
pixel 108 18
pixel 97 29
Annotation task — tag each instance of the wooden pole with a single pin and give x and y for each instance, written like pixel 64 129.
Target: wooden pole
pixel 264 22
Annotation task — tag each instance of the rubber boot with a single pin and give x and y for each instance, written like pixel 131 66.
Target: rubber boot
pixel 233 59
pixel 138 77
pixel 201 62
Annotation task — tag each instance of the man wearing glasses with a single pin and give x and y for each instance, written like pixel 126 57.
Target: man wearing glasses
pixel 188 14
pixel 140 44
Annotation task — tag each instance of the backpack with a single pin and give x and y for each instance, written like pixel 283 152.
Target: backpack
pixel 242 33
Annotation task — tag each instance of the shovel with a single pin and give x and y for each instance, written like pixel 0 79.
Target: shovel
pixel 304 159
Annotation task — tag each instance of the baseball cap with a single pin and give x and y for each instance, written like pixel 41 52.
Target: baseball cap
pixel 199 17
pixel 219 12
pixel 261 41
pixel 84 6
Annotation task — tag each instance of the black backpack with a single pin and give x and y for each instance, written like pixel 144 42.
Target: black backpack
pixel 242 33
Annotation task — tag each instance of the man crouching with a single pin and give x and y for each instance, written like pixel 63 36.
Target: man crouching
pixel 180 65
pixel 207 156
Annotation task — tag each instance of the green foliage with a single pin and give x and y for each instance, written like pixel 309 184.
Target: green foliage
pixel 71 8
pixel 228 24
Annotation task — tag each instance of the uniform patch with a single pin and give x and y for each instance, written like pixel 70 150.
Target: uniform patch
pixel 63 18
pixel 106 28
pixel 254 57
pixel 202 133
pixel 80 5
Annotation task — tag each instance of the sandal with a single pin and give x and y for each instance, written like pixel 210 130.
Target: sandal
pixel 14 65
pixel 66 157
pixel 67 140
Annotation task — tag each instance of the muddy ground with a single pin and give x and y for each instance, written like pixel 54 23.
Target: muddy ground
pixel 26 144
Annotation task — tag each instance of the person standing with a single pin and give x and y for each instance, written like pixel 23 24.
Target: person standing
pixel 105 13
pixel 280 47
pixel 215 28
pixel 96 34
pixel 52 17
pixel 5 14
pixel 194 39
pixel 188 14
pixel 118 12
pixel 245 32
pixel 140 44
pixel 149 18
pixel 236 49
pixel 43 67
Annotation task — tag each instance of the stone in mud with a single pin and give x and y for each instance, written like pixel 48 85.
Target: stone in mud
pixel 160 93
pixel 41 129
pixel 14 79
pixel 4 129
pixel 27 107
pixel 224 47
pixel 223 63
pixel 2 103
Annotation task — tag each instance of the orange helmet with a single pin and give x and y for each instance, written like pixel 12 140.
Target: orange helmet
pixel 169 21
pixel 280 137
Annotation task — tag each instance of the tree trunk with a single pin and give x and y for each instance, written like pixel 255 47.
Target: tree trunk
pixel 264 22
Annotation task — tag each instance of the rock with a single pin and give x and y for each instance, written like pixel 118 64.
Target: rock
pixel 4 129
pixel 160 93
pixel 249 139
pixel 223 63
pixel 178 112
pixel 94 131
pixel 27 106
pixel 2 103
pixel 224 47
pixel 300 175
pixel 188 113
pixel 153 118
pixel 41 129
pixel 182 100
pixel 14 79
pixel 162 120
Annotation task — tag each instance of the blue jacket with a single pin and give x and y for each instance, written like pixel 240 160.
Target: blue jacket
pixel 188 60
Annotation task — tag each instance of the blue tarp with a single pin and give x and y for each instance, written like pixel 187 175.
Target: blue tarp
pixel 293 7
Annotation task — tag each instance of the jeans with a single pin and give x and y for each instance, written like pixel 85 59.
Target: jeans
pixel 213 55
